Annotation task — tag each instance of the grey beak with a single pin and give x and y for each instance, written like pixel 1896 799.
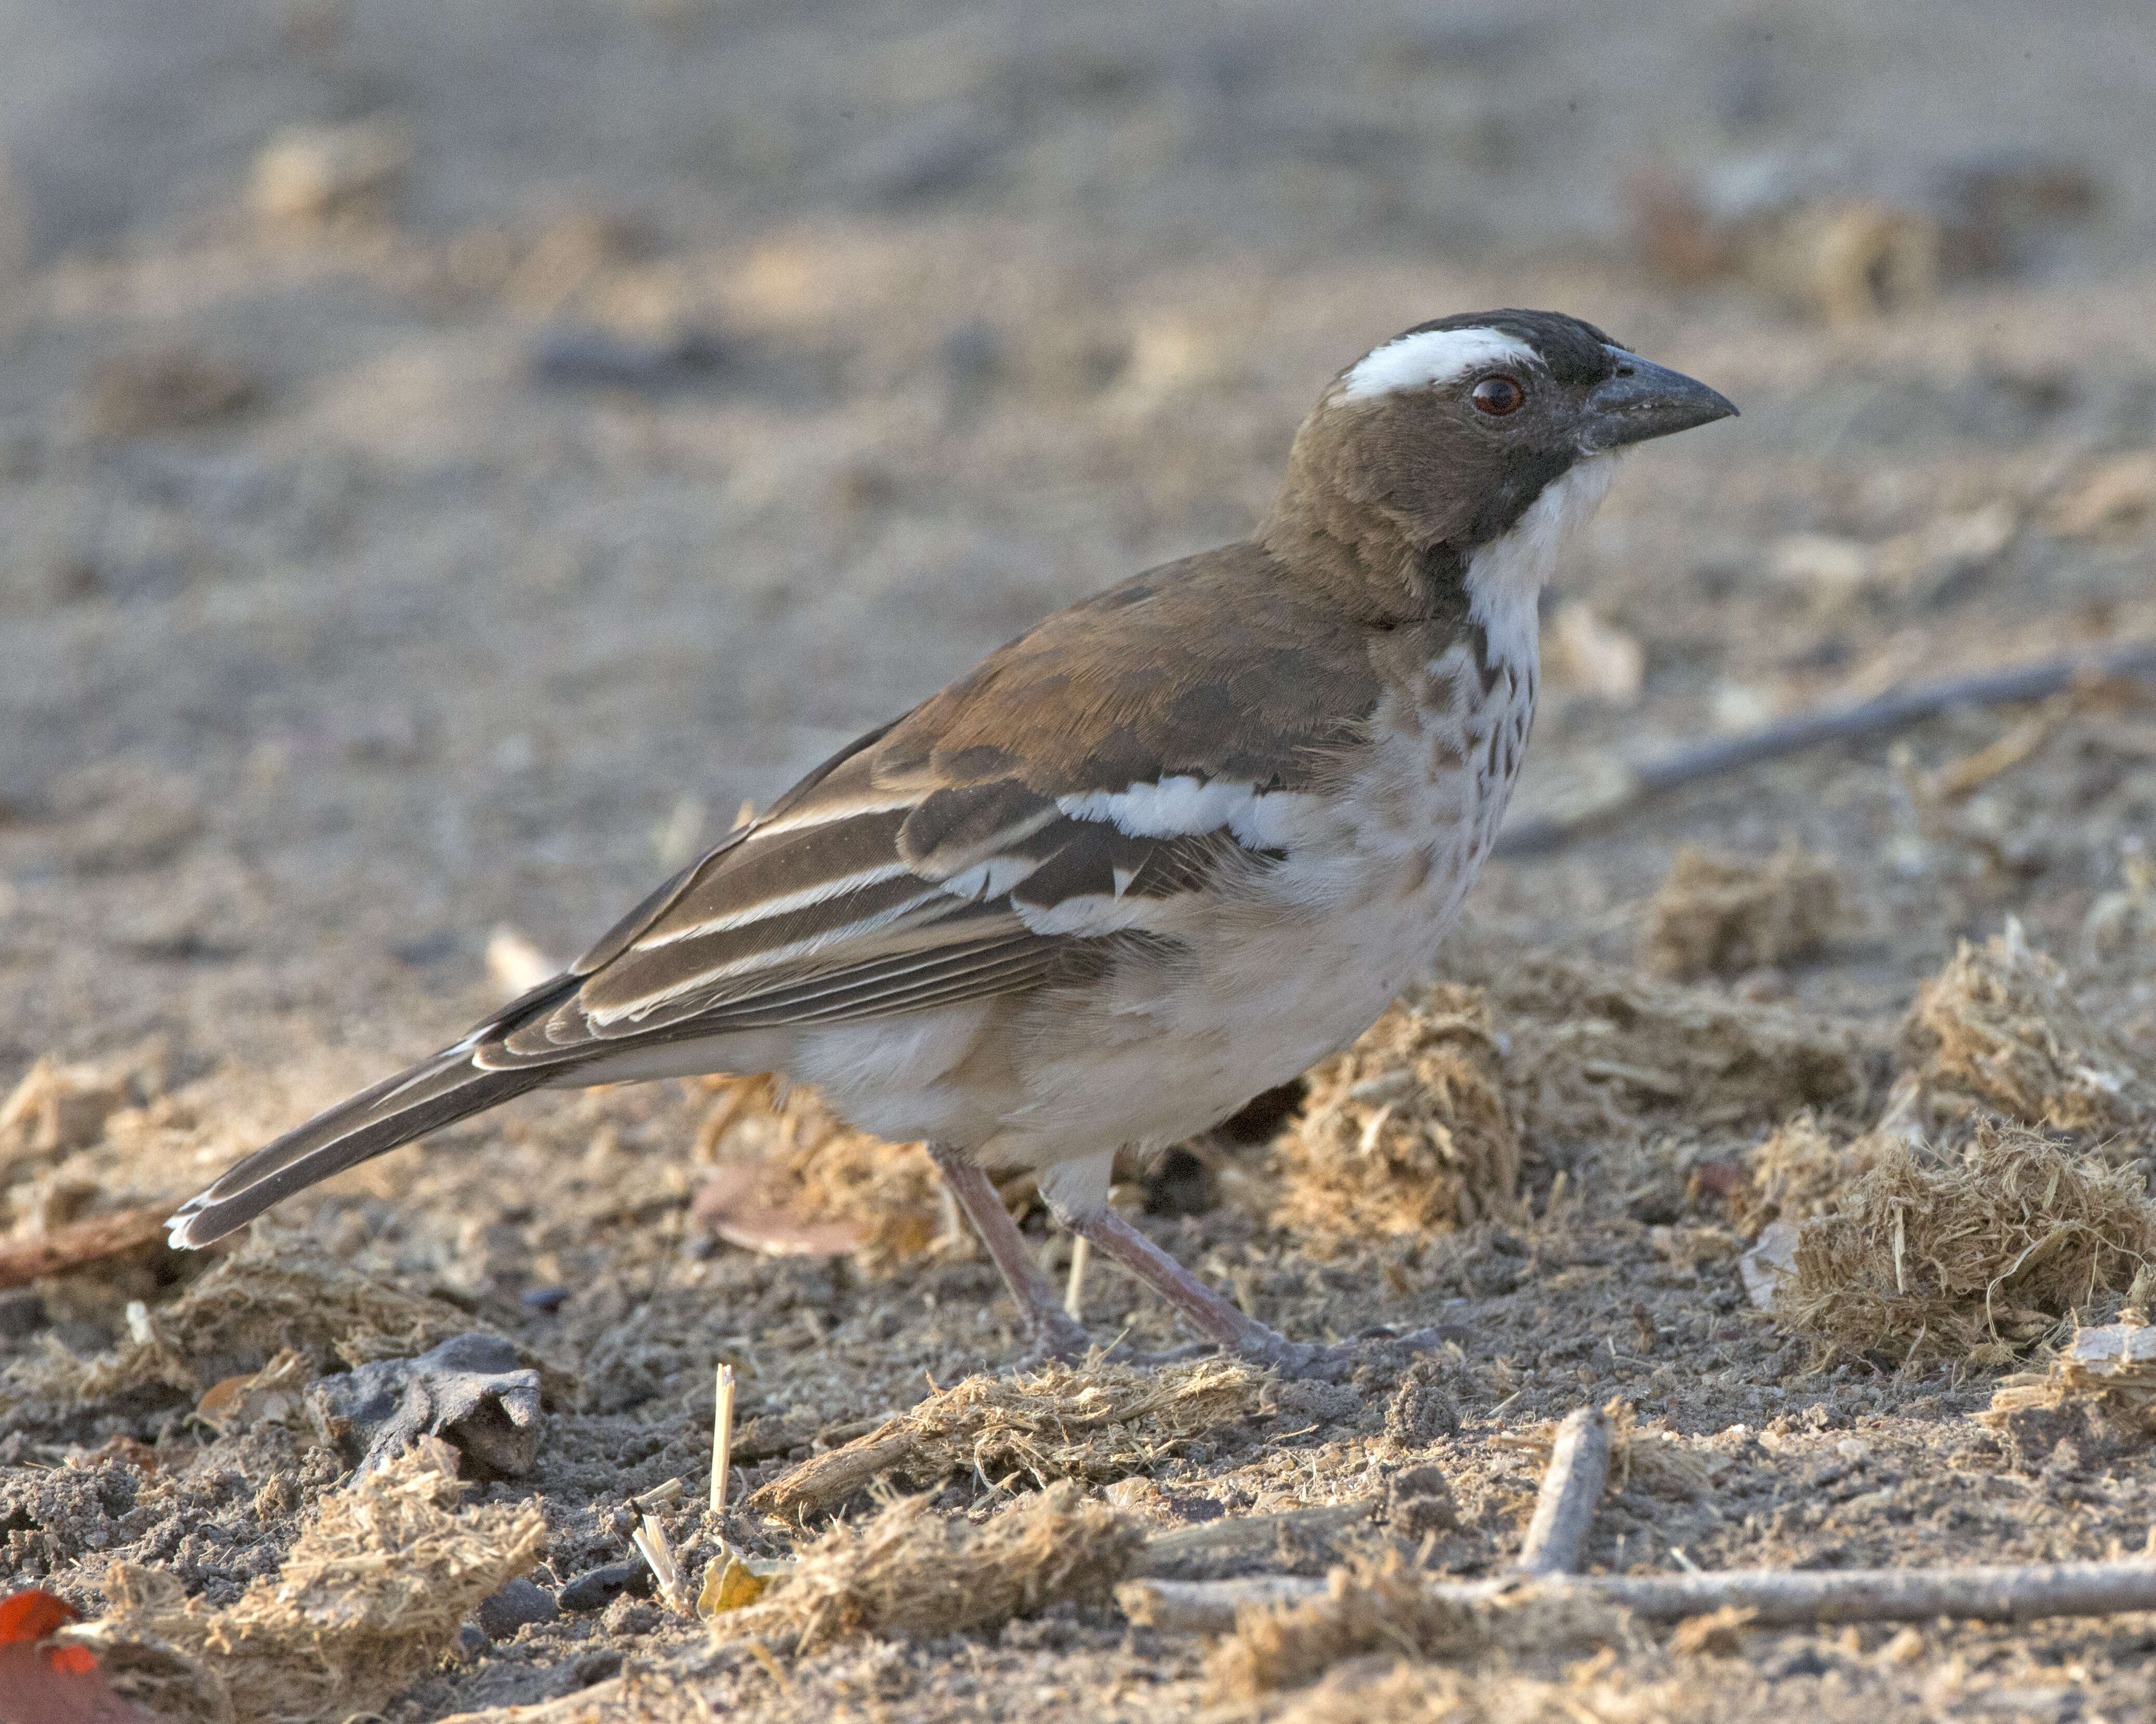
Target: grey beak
pixel 1646 400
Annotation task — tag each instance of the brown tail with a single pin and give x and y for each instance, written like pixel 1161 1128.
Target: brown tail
pixel 432 1094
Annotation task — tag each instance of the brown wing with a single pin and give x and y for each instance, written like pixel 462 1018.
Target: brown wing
pixel 976 846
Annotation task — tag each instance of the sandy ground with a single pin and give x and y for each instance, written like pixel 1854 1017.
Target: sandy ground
pixel 340 624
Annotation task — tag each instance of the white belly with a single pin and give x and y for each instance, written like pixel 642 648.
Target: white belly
pixel 1259 992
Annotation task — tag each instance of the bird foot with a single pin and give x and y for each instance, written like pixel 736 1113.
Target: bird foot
pixel 1308 1361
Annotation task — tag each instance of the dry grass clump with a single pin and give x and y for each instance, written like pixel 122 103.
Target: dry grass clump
pixel 1716 914
pixel 1801 1171
pixel 173 389
pixel 1096 1422
pixel 1409 1131
pixel 368 1597
pixel 1655 1462
pixel 909 1570
pixel 1975 1255
pixel 268 1296
pixel 1999 1031
pixel 795 1179
pixel 1437 1694
pixel 1419 1126
pixel 1601 1052
pixel 59 1107
pixel 1385 1607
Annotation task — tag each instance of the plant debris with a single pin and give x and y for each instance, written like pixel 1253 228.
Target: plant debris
pixel 133 394
pixel 2109 1371
pixel 1801 1172
pixel 908 1571
pixel 1596 1051
pixel 1385 1606
pixel 1716 1634
pixel 1653 1462
pixel 57 1107
pixel 367 1599
pixel 1096 1422
pixel 82 1243
pixel 1975 1255
pixel 792 1179
pixel 1999 1031
pixel 1396 1693
pixel 267 1297
pixel 310 175
pixel 1407 1132
pixel 1716 914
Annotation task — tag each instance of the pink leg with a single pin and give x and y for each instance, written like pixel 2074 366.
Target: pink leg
pixel 1054 1331
pixel 1217 1319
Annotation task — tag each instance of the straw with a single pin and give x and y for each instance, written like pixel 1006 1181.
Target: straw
pixel 722 1438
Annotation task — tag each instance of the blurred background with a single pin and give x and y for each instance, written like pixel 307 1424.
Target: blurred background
pixel 452 456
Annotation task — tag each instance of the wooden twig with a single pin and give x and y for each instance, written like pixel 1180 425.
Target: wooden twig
pixel 53 1253
pixel 1781 1597
pixel 1984 1594
pixel 1572 1490
pixel 1208 1607
pixel 825 1479
pixel 1861 721
pixel 1246 1535
pixel 1074 1290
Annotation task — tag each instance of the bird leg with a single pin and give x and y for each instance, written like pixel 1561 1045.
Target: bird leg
pixel 1215 1317
pixel 1054 1331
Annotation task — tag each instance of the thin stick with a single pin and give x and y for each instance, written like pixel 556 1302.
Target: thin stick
pixel 822 1479
pixel 1074 1289
pixel 1208 1607
pixel 651 1539
pixel 1242 1535
pixel 1782 1598
pixel 1882 715
pixel 83 1242
pixel 722 1439
pixel 1572 1490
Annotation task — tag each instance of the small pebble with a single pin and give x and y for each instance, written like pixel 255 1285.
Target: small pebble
pixel 592 358
pixel 545 1299
pixel 600 1587
pixel 593 1667
pixel 21 1313
pixel 519 1602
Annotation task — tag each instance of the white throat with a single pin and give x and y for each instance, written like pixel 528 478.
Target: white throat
pixel 1505 576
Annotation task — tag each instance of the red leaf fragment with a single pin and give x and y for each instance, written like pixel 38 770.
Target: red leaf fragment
pixel 40 1684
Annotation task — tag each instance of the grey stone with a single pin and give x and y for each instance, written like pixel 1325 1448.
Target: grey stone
pixel 600 1587
pixel 521 1601
pixel 469 1392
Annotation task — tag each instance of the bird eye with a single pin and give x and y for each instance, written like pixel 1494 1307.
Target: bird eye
pixel 1497 397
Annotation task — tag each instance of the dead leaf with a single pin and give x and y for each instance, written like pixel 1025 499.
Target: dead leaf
pixel 44 1683
pixel 731 1203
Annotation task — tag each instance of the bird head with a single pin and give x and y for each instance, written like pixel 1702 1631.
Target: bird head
pixel 1447 434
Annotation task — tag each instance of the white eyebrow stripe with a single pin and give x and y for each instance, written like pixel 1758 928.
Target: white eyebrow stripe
pixel 1434 357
